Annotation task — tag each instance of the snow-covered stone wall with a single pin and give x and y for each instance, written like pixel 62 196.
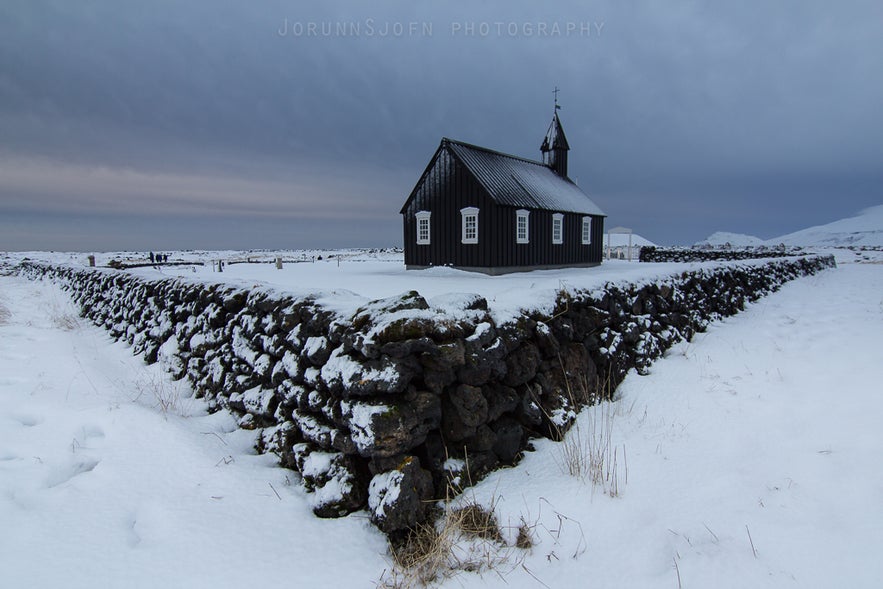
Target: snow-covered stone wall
pixel 701 254
pixel 394 406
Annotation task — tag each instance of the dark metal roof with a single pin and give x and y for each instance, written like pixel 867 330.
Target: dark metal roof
pixel 519 182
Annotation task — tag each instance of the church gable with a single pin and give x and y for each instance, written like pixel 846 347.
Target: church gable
pixel 445 179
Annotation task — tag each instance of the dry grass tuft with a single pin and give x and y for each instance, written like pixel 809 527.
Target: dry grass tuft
pixel 420 557
pixel 65 321
pixel 463 539
pixel 524 539
pixel 589 453
pixel 476 521
pixel 168 396
pixel 62 315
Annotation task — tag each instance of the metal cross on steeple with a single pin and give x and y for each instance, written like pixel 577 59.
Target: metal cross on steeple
pixel 555 92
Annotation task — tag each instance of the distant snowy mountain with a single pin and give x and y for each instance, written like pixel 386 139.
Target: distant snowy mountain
pixel 864 229
pixel 720 238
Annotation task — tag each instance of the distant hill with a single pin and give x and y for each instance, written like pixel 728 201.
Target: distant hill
pixel 864 229
pixel 721 238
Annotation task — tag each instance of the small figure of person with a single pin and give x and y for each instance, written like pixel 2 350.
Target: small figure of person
pixel 152 260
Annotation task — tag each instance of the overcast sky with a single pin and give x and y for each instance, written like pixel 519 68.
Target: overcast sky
pixel 232 124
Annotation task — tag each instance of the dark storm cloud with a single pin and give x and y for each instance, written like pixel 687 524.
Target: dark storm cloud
pixel 683 118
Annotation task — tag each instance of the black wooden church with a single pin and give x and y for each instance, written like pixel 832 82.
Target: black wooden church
pixel 482 210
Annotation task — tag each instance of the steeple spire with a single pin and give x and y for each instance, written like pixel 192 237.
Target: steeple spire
pixel 555 147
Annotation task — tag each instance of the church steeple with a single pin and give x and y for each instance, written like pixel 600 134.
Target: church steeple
pixel 555 147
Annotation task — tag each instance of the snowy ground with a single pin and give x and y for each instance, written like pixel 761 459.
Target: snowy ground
pixel 752 453
pixel 99 487
pixel 768 424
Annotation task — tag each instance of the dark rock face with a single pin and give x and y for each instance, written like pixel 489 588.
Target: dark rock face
pixel 521 365
pixel 332 477
pixel 399 498
pixel 464 409
pixel 383 430
pixel 509 439
pixel 392 407
pixel 500 400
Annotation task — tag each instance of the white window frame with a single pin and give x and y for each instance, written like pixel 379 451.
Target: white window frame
pixel 587 231
pixel 525 215
pixel 423 217
pixel 558 227
pixel 466 214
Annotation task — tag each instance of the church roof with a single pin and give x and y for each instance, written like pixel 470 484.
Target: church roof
pixel 519 182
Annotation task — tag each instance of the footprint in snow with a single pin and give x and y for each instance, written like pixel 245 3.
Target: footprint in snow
pixel 132 537
pixel 27 419
pixel 11 381
pixel 92 432
pixel 63 474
